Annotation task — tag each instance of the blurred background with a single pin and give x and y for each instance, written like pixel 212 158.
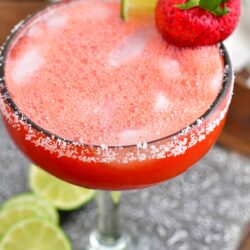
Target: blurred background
pixel 236 134
pixel 206 209
pixel 13 11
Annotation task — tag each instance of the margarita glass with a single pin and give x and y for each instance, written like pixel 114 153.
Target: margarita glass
pixel 108 166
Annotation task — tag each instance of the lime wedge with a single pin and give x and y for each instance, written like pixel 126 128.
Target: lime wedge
pixel 137 8
pixel 62 195
pixel 35 234
pixel 37 202
pixel 13 215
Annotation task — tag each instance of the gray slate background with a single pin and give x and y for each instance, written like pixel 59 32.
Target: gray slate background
pixel 206 208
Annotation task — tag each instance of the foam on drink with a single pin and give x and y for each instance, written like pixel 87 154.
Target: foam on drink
pixel 96 79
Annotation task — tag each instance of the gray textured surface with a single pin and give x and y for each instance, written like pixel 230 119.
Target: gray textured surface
pixel 206 208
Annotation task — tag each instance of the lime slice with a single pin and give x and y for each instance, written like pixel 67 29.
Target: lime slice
pixel 116 196
pixel 35 234
pixel 13 215
pixel 62 195
pixel 137 8
pixel 37 202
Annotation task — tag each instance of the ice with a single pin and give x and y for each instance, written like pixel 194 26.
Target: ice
pixel 170 67
pixel 130 48
pixel 162 102
pixel 216 82
pixel 129 136
pixel 35 31
pixel 56 22
pixel 96 11
pixel 106 111
pixel 27 64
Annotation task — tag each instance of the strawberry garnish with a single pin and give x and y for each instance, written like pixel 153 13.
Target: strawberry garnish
pixel 197 22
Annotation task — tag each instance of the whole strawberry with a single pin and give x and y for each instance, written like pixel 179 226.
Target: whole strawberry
pixel 197 22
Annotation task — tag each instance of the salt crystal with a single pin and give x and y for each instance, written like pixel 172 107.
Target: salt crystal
pixel 142 157
pixel 132 47
pixel 201 138
pixel 103 146
pixel 26 65
pixel 141 145
pixel 199 122
pixel 16 28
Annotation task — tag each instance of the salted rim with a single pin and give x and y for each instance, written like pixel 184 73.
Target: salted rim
pixel 226 83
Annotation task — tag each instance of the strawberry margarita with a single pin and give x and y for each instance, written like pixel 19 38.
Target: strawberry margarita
pixel 109 104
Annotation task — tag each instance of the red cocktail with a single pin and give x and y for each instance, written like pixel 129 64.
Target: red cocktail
pixel 110 105
pixel 166 108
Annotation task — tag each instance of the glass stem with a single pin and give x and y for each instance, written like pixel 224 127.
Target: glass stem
pixel 108 233
pixel 109 219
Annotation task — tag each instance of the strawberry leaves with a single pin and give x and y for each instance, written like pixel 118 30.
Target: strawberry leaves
pixel 209 5
pixel 188 5
pixel 216 7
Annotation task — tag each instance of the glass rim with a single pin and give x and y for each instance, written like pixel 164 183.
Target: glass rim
pixel 226 83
